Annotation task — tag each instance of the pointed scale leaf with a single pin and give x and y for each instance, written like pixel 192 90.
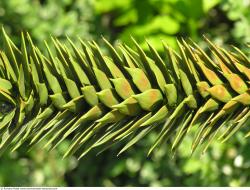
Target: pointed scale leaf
pixel 220 92
pixel 130 107
pixel 90 95
pixel 160 115
pixel 123 88
pixel 149 99
pixel 108 97
pixel 139 79
pixel 102 79
pixel 171 94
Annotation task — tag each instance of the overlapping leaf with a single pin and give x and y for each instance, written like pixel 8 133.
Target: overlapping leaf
pixel 97 100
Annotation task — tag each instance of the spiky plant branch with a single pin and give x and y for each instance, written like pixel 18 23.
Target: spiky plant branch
pixel 97 100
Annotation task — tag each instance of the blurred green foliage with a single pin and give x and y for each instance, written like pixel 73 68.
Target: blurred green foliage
pixel 37 167
pixel 44 18
pixel 154 20
pixel 224 21
pixel 238 12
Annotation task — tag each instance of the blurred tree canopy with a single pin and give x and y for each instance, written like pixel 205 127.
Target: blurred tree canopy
pixel 224 21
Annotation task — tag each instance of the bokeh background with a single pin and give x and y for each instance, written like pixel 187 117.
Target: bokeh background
pixel 223 21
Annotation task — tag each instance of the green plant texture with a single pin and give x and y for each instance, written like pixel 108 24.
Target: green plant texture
pixel 223 21
pixel 99 100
